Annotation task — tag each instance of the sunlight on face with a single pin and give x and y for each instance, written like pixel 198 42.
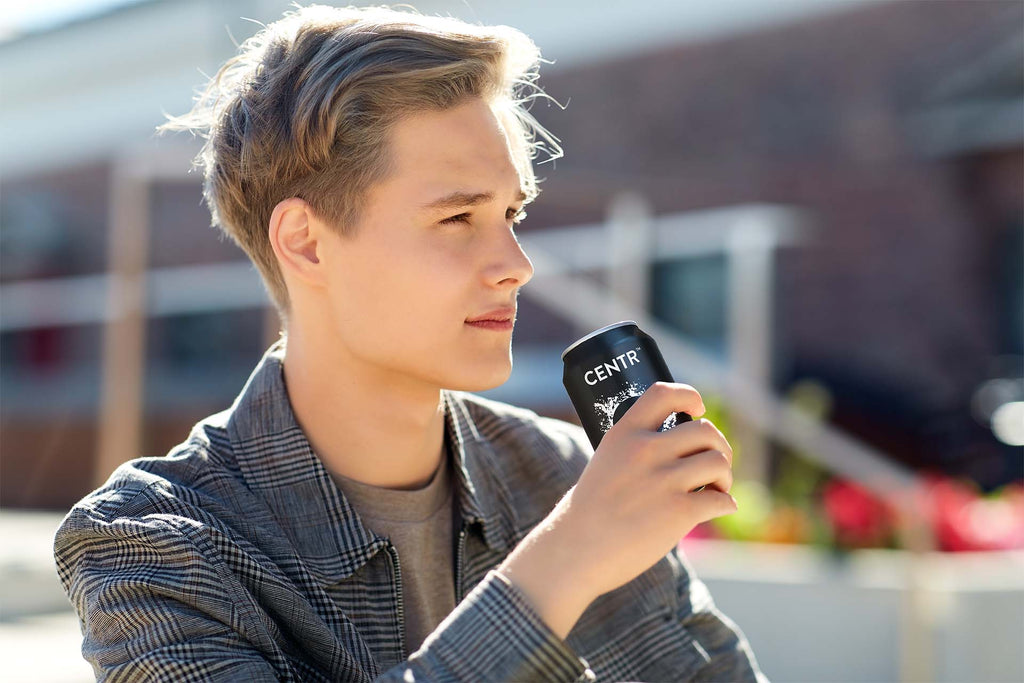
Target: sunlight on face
pixel 435 246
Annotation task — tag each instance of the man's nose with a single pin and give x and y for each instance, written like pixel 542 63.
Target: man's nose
pixel 516 267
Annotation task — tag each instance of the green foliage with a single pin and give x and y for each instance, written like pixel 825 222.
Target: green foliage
pixel 788 509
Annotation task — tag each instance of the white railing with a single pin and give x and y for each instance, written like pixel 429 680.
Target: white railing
pixel 83 300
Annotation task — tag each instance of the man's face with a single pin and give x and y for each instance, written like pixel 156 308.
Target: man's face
pixel 402 290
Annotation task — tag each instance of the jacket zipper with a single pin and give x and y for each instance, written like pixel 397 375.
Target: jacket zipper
pixel 458 563
pixel 393 553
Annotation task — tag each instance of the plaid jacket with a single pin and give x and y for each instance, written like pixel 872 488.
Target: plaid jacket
pixel 236 557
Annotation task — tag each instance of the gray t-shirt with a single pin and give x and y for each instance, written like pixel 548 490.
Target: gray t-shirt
pixel 419 524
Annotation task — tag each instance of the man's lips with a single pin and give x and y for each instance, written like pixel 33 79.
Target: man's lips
pixel 506 314
pixel 498 320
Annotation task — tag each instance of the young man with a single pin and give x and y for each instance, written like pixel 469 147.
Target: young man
pixel 355 515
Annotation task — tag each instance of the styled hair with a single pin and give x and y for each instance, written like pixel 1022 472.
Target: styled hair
pixel 306 106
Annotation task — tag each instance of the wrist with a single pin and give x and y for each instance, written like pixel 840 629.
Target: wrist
pixel 546 572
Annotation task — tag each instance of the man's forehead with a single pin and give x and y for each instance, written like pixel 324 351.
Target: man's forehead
pixel 455 157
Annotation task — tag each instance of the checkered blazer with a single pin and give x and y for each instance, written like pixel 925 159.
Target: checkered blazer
pixel 236 557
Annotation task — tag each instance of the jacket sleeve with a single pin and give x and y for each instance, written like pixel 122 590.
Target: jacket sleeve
pixel 150 607
pixel 153 606
pixel 493 635
pixel 730 657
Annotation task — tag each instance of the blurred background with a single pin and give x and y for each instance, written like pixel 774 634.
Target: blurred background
pixel 816 207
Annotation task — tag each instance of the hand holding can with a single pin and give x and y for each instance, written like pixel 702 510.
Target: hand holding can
pixel 607 371
pixel 645 488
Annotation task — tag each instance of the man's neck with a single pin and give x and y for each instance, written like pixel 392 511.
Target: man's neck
pixel 361 425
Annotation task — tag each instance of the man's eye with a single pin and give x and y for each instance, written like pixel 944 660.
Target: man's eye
pixel 461 218
pixel 514 215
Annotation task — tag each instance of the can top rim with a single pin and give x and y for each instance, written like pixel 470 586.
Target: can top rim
pixel 579 341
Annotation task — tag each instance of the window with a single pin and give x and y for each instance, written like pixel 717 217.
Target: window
pixel 689 295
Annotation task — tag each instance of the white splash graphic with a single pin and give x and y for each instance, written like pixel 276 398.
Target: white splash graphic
pixel 605 409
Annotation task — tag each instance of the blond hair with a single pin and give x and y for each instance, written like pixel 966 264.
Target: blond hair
pixel 305 107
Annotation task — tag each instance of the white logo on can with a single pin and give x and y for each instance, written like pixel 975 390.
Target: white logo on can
pixel 605 370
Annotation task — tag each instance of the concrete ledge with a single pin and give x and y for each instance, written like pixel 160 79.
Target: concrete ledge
pixel 812 616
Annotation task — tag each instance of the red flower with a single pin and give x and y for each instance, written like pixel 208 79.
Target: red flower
pixel 963 520
pixel 858 519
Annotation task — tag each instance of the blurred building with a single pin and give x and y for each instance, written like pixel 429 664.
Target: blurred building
pixel 898 126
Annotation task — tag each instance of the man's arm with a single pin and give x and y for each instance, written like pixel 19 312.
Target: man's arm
pixel 493 635
pixel 153 605
pixel 640 493
pixel 150 607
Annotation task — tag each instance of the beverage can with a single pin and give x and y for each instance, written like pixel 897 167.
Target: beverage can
pixel 606 372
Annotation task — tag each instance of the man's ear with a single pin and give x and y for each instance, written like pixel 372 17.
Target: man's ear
pixel 294 240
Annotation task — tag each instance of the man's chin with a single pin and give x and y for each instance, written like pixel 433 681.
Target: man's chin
pixel 481 382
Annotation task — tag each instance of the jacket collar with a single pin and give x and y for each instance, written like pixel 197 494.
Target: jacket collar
pixel 277 461
pixel 484 498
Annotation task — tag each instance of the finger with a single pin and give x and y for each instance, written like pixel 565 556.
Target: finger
pixel 661 400
pixel 712 503
pixel 709 469
pixel 689 438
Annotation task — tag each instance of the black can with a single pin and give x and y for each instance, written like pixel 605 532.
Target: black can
pixel 607 371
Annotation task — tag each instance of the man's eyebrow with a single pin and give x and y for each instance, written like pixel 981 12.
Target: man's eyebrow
pixel 460 199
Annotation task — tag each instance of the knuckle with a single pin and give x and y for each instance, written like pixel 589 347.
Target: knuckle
pixel 723 467
pixel 709 429
pixel 720 457
pixel 660 389
pixel 663 391
pixel 694 394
